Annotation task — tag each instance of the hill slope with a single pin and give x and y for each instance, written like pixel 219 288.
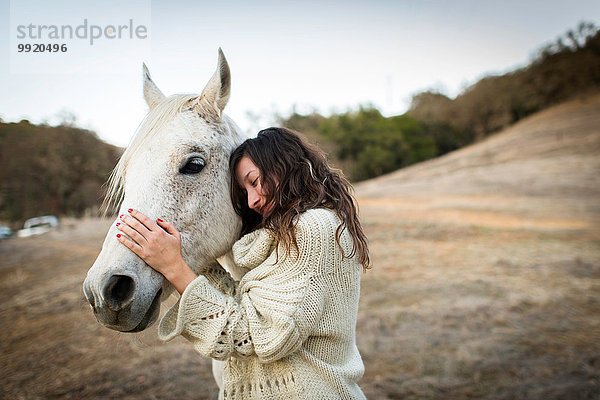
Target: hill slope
pixel 550 157
pixel 51 170
pixel 486 265
pixel 560 140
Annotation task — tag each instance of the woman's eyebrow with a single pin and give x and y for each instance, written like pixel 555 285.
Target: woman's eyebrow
pixel 248 174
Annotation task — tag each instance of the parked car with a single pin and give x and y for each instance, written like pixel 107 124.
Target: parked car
pixel 38 225
pixel 5 232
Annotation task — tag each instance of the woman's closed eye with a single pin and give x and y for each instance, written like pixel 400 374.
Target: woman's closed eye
pixel 254 182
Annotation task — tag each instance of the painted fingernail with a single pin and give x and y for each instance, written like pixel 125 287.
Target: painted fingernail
pixel 121 216
pixel 118 235
pixel 159 220
pixel 118 223
pixel 130 210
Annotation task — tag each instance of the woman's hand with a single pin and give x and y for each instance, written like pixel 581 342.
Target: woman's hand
pixel 158 243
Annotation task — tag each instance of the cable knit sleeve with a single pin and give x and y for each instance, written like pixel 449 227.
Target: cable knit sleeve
pixel 271 312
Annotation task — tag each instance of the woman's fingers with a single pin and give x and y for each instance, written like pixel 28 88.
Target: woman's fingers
pixel 145 221
pixel 160 247
pixel 133 234
pixel 136 248
pixel 139 223
pixel 169 227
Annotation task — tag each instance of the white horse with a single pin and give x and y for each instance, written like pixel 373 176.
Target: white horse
pixel 176 168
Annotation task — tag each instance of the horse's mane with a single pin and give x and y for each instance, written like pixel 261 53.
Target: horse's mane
pixel 160 115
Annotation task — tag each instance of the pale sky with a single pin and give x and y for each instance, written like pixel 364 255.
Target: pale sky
pixel 330 56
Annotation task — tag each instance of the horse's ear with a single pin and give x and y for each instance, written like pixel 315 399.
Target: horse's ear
pixel 214 97
pixel 152 93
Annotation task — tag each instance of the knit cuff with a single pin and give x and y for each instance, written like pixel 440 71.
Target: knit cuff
pixel 199 301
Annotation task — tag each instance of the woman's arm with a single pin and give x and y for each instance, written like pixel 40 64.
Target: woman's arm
pixel 269 316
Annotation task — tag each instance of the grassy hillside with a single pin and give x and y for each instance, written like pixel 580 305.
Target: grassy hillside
pixel 552 153
pixel 51 170
pixel 486 266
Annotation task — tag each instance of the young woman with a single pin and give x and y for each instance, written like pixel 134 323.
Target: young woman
pixel 287 329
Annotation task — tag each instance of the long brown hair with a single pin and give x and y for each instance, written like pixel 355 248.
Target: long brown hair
pixel 295 177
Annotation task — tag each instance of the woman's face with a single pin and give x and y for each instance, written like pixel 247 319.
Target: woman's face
pixel 248 177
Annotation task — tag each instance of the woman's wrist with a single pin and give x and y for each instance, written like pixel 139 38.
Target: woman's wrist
pixel 180 276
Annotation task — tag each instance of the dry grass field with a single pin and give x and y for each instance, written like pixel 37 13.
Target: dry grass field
pixel 485 284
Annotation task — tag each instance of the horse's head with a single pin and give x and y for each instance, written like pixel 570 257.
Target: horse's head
pixel 176 168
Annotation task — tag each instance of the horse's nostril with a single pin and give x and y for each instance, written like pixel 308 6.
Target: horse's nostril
pixel 119 292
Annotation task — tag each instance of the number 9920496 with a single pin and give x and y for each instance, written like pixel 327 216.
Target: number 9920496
pixel 41 48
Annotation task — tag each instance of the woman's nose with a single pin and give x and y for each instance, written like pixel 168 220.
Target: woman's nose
pixel 253 200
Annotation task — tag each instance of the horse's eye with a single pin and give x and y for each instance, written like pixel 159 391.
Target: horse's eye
pixel 192 166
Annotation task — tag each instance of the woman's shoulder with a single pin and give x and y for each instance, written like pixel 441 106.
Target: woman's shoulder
pixel 318 244
pixel 325 215
pixel 318 220
pixel 319 212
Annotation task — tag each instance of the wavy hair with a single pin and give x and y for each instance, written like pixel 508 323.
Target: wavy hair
pixel 295 177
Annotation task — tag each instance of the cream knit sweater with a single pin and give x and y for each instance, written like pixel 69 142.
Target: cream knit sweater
pixel 287 329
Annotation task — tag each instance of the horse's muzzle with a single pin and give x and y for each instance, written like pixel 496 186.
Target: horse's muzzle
pixel 114 304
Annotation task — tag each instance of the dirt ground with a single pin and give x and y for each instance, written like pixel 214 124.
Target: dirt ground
pixel 485 284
